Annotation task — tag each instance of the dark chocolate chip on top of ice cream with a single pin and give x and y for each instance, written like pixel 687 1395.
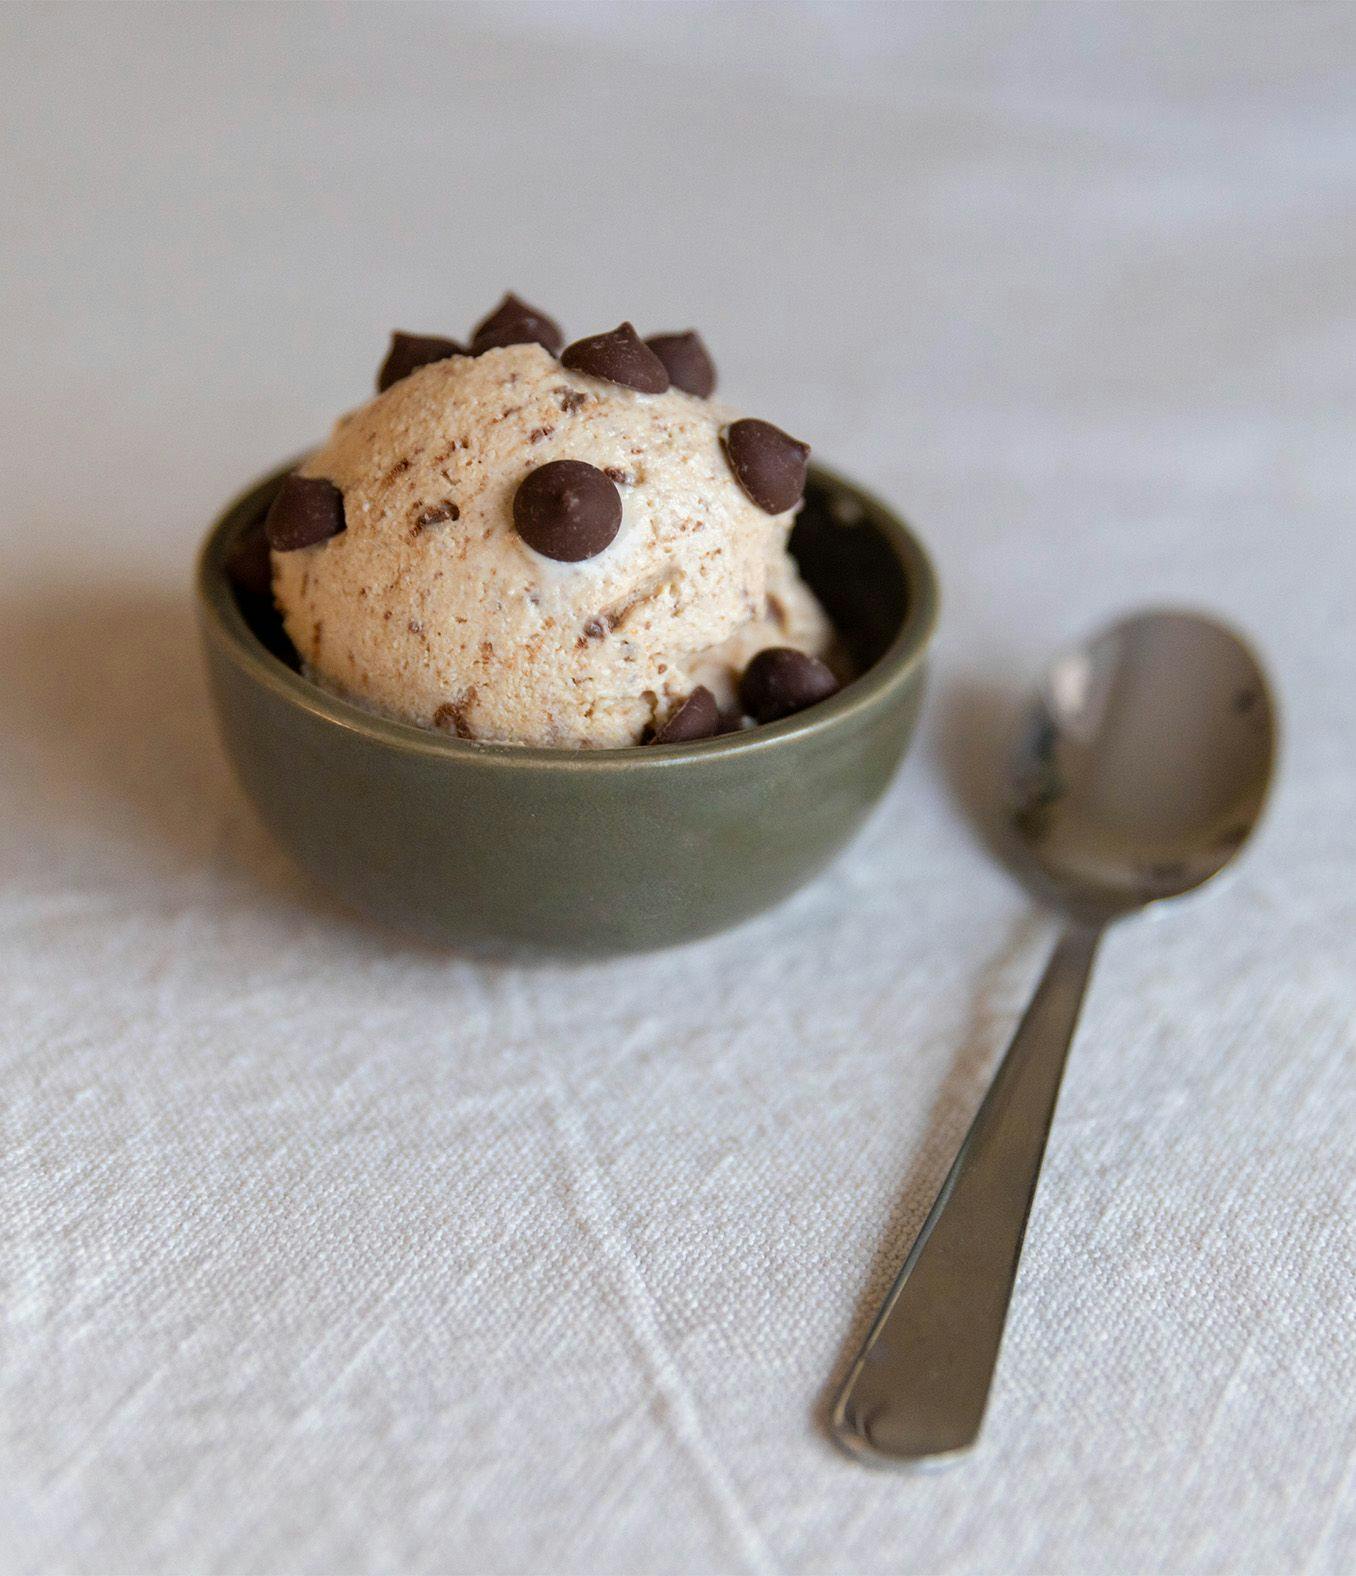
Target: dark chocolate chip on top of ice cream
pixel 768 463
pixel 567 510
pixel 514 322
pixel 620 356
pixel 307 510
pixel 781 681
pixel 409 352
pixel 687 362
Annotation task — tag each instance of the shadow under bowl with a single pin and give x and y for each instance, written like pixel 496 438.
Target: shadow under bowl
pixel 506 850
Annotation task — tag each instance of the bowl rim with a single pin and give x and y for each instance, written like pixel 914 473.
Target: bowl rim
pixel 217 603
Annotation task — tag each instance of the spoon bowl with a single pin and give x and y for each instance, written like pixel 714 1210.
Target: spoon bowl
pixel 1142 763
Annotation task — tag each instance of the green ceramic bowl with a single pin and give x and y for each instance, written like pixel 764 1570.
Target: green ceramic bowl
pixel 499 849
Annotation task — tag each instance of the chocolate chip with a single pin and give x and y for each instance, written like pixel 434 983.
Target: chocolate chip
pixel 571 399
pixel 249 566
pixel 411 351
pixel 307 510
pixel 567 510
pixel 687 362
pixel 768 464
pixel 614 473
pixel 513 322
pixel 620 356
pixel 780 681
pixel 697 718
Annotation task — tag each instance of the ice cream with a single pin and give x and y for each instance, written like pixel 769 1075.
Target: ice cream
pixel 561 552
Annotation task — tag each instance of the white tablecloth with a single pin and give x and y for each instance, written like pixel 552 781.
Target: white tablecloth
pixel 325 1253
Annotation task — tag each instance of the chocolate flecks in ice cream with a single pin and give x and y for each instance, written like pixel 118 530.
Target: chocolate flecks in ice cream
pixel 687 362
pixel 620 356
pixel 437 514
pixel 512 550
pixel 451 715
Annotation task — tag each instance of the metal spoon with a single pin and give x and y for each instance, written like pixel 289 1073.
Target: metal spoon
pixel 1141 768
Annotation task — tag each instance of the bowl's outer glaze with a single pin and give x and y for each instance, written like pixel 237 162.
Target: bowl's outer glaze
pixel 585 853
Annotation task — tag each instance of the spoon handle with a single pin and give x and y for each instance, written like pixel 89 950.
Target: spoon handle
pixel 918 1387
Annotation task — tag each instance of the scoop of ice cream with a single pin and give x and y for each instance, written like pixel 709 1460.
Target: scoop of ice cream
pixel 429 605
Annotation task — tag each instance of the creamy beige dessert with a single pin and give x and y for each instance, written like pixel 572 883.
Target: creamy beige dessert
pixel 582 550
